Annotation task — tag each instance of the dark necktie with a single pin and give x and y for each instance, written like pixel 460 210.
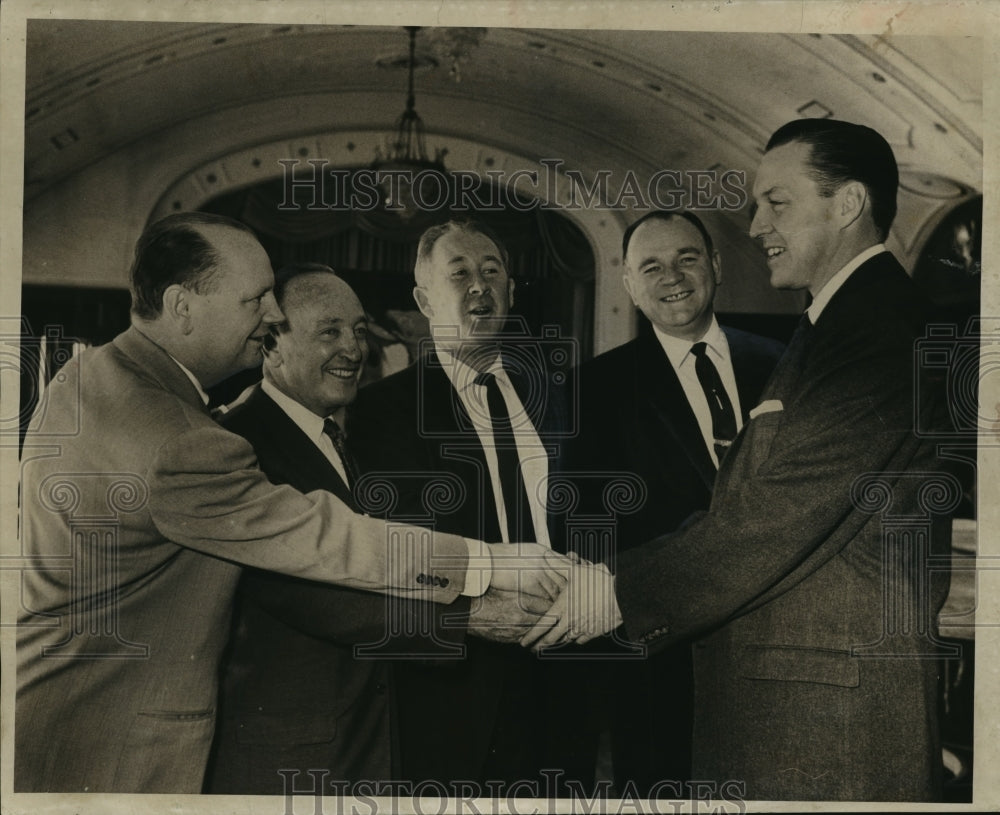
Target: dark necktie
pixel 332 429
pixel 515 498
pixel 723 417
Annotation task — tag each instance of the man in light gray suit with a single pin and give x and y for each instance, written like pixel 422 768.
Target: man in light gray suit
pixel 138 508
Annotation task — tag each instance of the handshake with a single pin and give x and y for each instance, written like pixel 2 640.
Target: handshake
pixel 539 598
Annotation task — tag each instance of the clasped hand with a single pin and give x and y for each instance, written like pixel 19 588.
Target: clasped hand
pixel 540 598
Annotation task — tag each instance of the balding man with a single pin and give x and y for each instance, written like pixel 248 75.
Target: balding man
pixel 664 406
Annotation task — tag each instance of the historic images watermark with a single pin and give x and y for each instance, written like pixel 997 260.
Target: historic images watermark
pixel 548 794
pixel 313 185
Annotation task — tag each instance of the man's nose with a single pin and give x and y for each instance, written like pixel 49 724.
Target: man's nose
pixel 672 275
pixel 759 225
pixel 272 314
pixel 351 346
pixel 478 283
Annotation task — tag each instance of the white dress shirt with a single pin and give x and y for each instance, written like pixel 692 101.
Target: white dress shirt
pixel 309 423
pixel 833 285
pixel 533 456
pixel 678 351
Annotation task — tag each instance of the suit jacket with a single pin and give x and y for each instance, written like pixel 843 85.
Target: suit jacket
pixel 815 672
pixel 137 510
pixel 481 716
pixel 294 697
pixel 636 418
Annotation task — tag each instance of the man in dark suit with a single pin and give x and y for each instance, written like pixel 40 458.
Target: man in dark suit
pixel 480 409
pixel 293 697
pixel 645 410
pixel 811 582
pixel 138 509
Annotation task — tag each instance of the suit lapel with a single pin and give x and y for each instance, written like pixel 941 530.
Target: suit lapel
pixel 786 375
pixel 751 376
pixel 304 461
pixel 666 396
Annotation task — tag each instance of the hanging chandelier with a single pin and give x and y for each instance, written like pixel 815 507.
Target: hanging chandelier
pixel 409 181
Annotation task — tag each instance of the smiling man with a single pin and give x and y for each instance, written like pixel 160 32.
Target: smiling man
pixel 293 697
pixel 812 585
pixel 652 407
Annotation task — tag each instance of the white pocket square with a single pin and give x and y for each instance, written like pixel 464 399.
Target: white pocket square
pixel 768 406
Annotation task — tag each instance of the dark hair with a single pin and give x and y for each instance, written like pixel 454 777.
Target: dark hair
pixel 171 252
pixel 666 215
pixel 842 152
pixel 433 234
pixel 282 278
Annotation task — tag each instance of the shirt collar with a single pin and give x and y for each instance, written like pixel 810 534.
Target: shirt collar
pixel 677 349
pixel 833 285
pixel 463 376
pixel 309 422
pixel 192 377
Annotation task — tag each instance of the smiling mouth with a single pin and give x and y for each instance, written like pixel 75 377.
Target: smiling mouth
pixel 481 311
pixel 342 373
pixel 774 251
pixel 673 298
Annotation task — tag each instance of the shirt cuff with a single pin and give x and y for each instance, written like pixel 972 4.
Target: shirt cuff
pixel 480 571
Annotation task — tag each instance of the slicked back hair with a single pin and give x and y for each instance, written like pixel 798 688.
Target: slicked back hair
pixel 842 152
pixel 172 251
pixel 284 276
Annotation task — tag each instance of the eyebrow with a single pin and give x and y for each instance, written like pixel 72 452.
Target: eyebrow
pixel 337 320
pixel 770 190
pixel 681 251
pixel 463 259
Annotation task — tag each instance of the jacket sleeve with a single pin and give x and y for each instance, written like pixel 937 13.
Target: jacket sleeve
pixel 349 617
pixel 207 493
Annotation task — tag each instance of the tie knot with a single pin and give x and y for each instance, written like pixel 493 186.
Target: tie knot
pixel 699 349
pixel 485 379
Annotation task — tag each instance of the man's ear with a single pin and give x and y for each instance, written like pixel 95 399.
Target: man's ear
pixel 510 292
pixel 422 302
pixel 177 307
pixel 852 198
pixel 627 280
pixel 717 267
